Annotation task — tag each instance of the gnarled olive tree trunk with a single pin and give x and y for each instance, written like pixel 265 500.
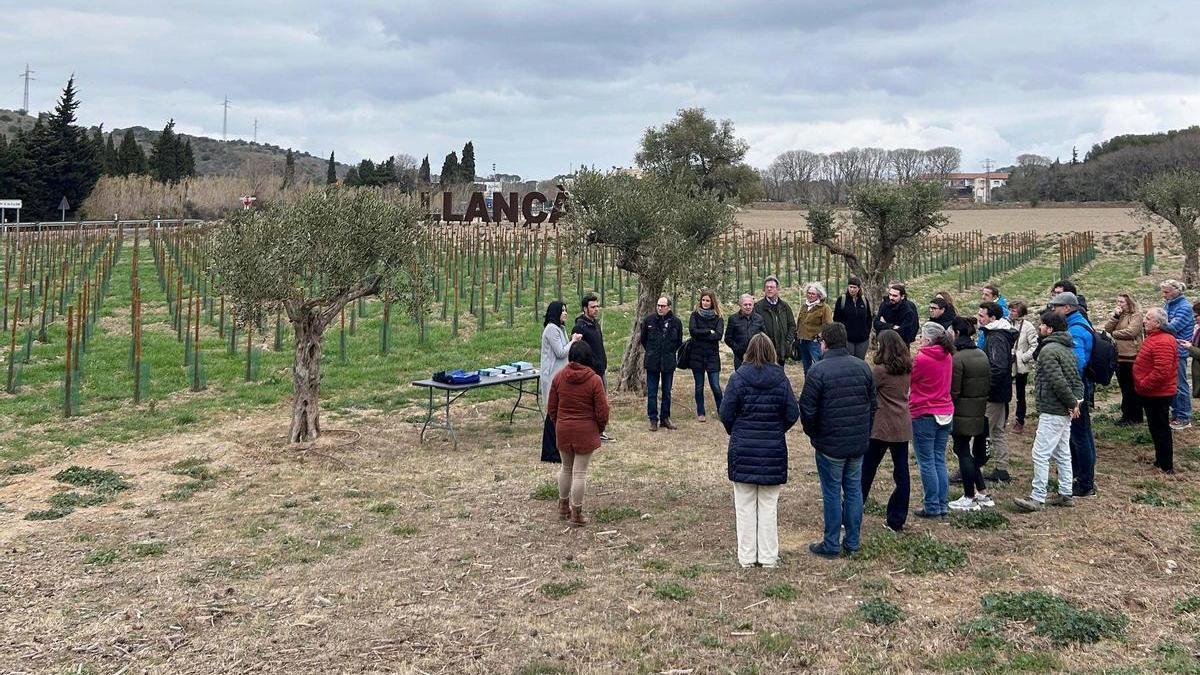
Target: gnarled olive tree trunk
pixel 306 377
pixel 633 374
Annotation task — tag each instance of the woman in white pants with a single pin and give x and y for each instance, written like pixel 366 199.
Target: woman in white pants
pixel 757 410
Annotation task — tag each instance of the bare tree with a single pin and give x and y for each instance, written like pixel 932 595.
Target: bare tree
pixel 906 164
pixel 943 161
pixel 1029 159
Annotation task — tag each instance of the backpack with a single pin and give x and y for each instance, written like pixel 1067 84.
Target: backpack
pixel 1102 364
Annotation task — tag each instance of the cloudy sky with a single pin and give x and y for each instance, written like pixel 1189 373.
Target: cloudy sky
pixel 541 87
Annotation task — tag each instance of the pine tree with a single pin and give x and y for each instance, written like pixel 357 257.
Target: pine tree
pixel 63 160
pixel 467 166
pixel 164 155
pixel 423 175
pixel 112 164
pixel 450 170
pixel 289 170
pixel 187 161
pixel 130 158
pixel 331 171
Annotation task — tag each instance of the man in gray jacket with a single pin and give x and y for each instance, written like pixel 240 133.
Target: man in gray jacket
pixel 1059 393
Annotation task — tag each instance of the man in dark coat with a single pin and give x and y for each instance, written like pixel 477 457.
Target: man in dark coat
pixel 853 311
pixel 661 337
pixel 898 314
pixel 999 339
pixel 779 323
pixel 941 313
pixel 587 324
pixel 741 327
pixel 837 408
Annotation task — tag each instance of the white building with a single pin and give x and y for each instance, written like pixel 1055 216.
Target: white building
pixel 975 186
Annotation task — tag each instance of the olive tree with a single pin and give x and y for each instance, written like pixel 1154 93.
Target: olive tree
pixel 310 259
pixel 659 231
pixel 1174 196
pixel 885 218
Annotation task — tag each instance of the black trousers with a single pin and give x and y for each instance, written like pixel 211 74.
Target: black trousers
pixel 972 455
pixel 1131 407
pixel 897 506
pixel 550 442
pixel 1022 383
pixel 1158 419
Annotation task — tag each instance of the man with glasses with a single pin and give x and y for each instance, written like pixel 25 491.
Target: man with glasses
pixel 779 323
pixel 661 337
pixel 741 327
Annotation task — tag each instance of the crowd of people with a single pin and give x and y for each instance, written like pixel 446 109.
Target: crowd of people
pixel 947 382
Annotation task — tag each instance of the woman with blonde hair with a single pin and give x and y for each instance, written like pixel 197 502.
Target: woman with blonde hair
pixel 813 315
pixel 758 409
pixel 1125 327
pixel 706 328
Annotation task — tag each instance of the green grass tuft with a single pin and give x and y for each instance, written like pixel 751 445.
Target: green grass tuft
pixel 52 513
pixel 77 500
pixel 100 480
pixel 15 469
pixel 556 591
pixel 673 591
pixel 383 508
pixel 1054 617
pixel 880 612
pixel 102 556
pixel 614 514
pixel 917 554
pixel 1188 605
pixel 404 530
pixel 983 519
pixel 545 492
pixel 147 549
pixel 781 591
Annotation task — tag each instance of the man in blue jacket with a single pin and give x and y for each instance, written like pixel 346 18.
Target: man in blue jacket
pixel 1083 444
pixel 837 408
pixel 1181 322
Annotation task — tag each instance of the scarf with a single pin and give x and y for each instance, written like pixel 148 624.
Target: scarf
pixel 706 313
pixel 809 305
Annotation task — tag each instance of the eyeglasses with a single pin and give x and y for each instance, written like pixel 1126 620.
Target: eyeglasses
pixel 664 305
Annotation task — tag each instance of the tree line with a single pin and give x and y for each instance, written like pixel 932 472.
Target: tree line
pixel 404 172
pixel 814 177
pixel 1114 170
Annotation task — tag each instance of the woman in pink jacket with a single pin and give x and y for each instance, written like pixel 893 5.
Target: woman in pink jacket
pixel 932 410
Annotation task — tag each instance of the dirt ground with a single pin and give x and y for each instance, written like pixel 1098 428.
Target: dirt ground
pixel 991 221
pixel 373 552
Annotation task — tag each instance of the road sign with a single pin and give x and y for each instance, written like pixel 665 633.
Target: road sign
pixel 63 205
pixel 10 203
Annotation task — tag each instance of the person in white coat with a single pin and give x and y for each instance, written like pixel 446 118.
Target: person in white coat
pixel 1027 342
pixel 555 345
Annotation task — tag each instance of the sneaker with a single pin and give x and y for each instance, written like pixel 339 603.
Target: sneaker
pixel 1060 500
pixel 1028 505
pixel 1179 425
pixel 984 500
pixel 893 528
pixel 605 437
pixel 964 503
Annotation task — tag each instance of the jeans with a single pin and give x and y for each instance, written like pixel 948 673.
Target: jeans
pixel 1158 419
pixel 972 455
pixel 929 444
pixel 810 353
pixel 1053 440
pixel 841 496
pixel 1083 451
pixel 757 508
pixel 1022 381
pixel 652 387
pixel 714 383
pixel 1181 407
pixel 1131 407
pixel 737 361
pixel 897 506
pixel 997 441
pixel 858 349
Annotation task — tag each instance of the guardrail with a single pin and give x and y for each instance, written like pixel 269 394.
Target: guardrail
pixel 97 224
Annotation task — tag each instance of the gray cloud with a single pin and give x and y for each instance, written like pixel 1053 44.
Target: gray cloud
pixel 540 87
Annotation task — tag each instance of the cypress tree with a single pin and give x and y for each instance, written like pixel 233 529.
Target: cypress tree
pixel 467 166
pixel 331 171
pixel 164 163
pixel 187 161
pixel 450 170
pixel 130 158
pixel 423 174
pixel 289 170
pixel 112 164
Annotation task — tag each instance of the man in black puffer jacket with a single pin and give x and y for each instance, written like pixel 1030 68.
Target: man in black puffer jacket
pixel 837 409
pixel 999 338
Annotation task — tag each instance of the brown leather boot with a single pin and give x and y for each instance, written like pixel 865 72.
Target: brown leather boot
pixel 577 519
pixel 653 425
pixel 564 509
pixel 667 424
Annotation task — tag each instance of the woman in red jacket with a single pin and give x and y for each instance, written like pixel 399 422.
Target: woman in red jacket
pixel 579 409
pixel 1154 377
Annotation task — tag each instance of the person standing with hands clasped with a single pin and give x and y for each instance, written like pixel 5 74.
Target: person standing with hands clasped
pixel 1058 391
pixel 555 346
pixel 898 314
pixel 741 327
pixel 837 407
pixel 661 337
pixel 779 323
pixel 1125 326
pixel 853 311
pixel 706 328
pixel 892 429
pixel 757 410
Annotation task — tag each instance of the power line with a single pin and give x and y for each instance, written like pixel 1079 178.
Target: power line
pixel 27 75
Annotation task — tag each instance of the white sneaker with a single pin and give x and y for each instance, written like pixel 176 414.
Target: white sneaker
pixel 984 500
pixel 964 503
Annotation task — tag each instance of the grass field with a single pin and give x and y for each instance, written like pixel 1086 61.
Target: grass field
pixel 215 547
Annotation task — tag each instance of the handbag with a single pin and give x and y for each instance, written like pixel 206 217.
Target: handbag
pixel 683 356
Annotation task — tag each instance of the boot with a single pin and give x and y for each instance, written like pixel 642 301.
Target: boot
pixel 653 425
pixel 564 509
pixel 577 519
pixel 667 424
